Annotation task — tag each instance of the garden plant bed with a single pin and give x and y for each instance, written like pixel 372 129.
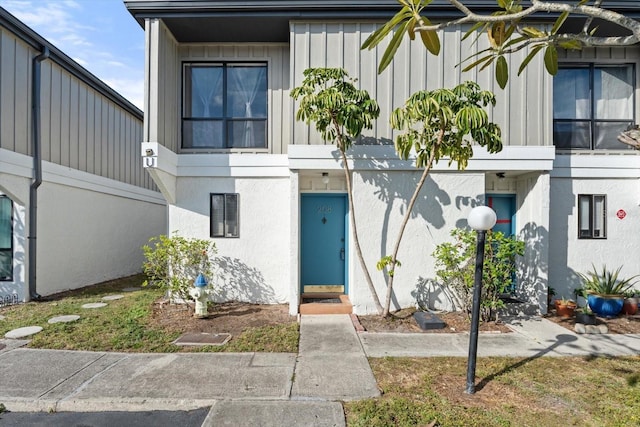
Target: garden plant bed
pixel 232 318
pixel 403 321
pixel 617 325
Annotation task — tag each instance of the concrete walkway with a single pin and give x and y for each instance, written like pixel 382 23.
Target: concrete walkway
pixel 264 389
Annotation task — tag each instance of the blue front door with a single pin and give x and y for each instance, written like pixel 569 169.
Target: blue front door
pixel 323 235
pixel 505 207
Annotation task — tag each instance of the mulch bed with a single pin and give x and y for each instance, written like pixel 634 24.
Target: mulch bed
pixel 617 325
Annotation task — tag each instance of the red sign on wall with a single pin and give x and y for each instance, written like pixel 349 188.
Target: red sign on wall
pixel 621 214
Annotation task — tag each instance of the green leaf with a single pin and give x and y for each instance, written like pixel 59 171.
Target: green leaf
pixel 478 62
pixel 529 57
pixel 473 29
pixel 430 39
pixel 563 17
pixel 392 48
pixel 533 32
pixel 377 36
pixel 571 44
pixel 502 72
pixel 551 60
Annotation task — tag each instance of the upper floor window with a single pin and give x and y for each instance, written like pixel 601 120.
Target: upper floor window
pixel 6 238
pixel 225 105
pixel 592 104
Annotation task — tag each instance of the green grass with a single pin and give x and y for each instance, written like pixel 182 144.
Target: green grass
pixel 510 392
pixel 125 325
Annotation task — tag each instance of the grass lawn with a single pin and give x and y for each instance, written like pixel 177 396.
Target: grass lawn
pixel 125 324
pixel 544 391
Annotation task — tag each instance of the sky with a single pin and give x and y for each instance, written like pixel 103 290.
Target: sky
pixel 100 35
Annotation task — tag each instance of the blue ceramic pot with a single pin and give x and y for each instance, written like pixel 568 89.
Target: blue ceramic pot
pixel 605 305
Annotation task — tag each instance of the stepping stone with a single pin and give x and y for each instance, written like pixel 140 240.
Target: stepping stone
pixel 64 319
pixel 94 305
pixel 133 289
pixel 112 297
pixel 202 338
pixel 23 332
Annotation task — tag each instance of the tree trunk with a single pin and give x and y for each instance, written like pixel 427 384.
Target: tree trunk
pixel 407 215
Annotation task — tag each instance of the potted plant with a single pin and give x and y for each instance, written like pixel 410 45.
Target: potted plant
pixel 585 316
pixel 565 307
pixel 630 305
pixel 605 292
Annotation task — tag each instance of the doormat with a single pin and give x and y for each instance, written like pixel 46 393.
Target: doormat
pixel 202 338
pixel 322 300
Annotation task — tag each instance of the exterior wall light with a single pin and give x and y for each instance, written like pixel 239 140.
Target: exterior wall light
pixel 325 178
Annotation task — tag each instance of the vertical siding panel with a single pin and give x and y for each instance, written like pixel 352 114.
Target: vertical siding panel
pixel 111 136
pixel 334 46
pixel 7 93
pixel 83 127
pixel 418 74
pixel 243 52
pixel 287 114
pixel 45 110
pixel 74 124
pixel 300 52
pixel 104 137
pixel 368 67
pixel 384 90
pixel 117 143
pixel 21 98
pixel 351 50
pixel 91 132
pixel 65 117
pixel 275 74
pixel 56 114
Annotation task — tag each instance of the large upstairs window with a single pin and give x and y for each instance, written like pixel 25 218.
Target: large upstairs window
pixel 592 104
pixel 224 106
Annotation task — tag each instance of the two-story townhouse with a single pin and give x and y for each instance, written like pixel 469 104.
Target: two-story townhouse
pixel 76 205
pixel 222 143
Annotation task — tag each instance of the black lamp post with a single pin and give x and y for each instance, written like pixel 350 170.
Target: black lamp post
pixel 481 219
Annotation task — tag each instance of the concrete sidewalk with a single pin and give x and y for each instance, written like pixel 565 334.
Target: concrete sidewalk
pixel 262 388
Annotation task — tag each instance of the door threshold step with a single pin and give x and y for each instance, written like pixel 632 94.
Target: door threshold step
pixel 325 303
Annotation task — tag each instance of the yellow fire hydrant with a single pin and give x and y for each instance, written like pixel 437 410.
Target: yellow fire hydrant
pixel 200 294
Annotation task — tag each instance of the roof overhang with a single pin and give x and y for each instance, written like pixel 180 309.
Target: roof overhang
pixel 194 21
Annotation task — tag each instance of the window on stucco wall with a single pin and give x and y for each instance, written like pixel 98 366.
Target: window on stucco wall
pixel 6 238
pixel 224 215
pixel 592 215
pixel 592 104
pixel 224 105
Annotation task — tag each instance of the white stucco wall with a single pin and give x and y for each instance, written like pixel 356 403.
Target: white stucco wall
pixel 86 237
pixel 381 200
pixel 256 266
pixel 569 255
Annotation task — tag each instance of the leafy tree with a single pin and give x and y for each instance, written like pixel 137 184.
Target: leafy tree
pixel 435 124
pixel 509 30
pixel 329 98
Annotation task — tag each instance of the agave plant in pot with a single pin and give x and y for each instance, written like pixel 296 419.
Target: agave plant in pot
pixel 605 291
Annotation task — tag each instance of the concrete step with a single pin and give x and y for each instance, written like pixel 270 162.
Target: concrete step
pixel 317 303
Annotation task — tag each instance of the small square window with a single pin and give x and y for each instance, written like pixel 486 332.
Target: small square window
pixel 592 216
pixel 6 239
pixel 224 215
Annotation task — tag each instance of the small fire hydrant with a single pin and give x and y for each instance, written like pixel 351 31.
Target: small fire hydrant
pixel 201 295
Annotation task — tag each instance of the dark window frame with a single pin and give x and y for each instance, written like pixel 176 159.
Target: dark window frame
pixel 592 121
pixel 224 118
pixel 592 215
pixel 226 233
pixel 9 278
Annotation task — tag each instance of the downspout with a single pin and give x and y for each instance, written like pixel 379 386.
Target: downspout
pixel 36 143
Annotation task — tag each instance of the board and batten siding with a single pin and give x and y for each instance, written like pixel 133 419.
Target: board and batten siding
pixel 523 108
pixel 81 128
pixel 165 60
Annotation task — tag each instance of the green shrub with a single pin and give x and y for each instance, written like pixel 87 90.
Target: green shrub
pixel 173 263
pixel 455 267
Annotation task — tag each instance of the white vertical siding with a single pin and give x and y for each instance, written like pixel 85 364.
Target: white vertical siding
pixel 163 86
pixel 522 108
